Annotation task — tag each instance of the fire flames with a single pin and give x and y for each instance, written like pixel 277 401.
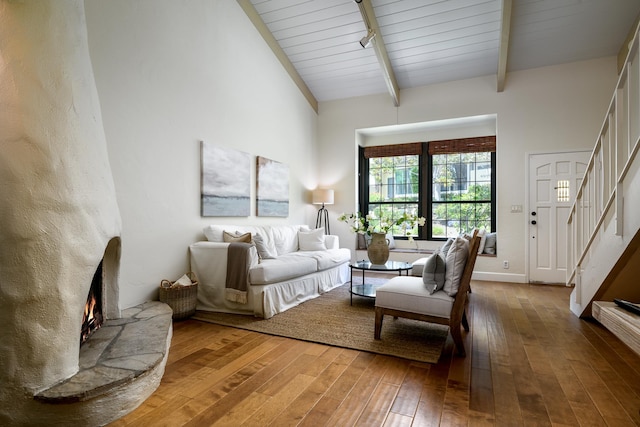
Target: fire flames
pixel 91 318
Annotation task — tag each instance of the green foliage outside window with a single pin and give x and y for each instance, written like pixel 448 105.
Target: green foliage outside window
pixel 459 192
pixel 461 196
pixel 394 190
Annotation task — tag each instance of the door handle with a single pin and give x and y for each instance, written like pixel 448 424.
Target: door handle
pixel 534 222
pixel 533 213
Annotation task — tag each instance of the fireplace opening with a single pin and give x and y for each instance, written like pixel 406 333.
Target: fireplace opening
pixel 92 317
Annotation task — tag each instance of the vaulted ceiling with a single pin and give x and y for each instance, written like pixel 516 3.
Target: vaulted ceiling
pixel 421 42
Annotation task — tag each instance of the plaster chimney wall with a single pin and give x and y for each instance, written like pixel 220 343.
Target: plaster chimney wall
pixel 58 211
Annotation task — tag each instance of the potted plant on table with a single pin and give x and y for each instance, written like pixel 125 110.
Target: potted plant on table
pixel 377 228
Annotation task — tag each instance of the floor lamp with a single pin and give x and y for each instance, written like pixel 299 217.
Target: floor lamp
pixel 322 197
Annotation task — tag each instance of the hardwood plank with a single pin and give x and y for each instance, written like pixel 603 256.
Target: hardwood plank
pixel 478 419
pixel 529 361
pixel 276 384
pixel 559 409
pixel 481 392
pixel 306 401
pixel 278 403
pixel 602 397
pixel 243 410
pixel 345 383
pixel 354 403
pixel 502 379
pixel 429 410
pixel 376 409
pixel 398 420
pixel 519 333
pixel 396 374
pixel 408 397
pixel 320 414
pixel 220 399
pixel 159 415
pixel 456 399
pixel 233 364
pixel 225 395
pixel 150 406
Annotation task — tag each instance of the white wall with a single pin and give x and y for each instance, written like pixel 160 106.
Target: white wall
pixel 172 73
pixel 541 110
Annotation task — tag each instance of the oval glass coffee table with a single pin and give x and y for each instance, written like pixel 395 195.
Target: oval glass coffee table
pixel 369 289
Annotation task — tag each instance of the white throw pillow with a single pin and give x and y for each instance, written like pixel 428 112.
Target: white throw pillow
pixel 213 234
pixel 433 272
pixel 490 244
pixel 483 239
pixel 454 265
pixel 312 240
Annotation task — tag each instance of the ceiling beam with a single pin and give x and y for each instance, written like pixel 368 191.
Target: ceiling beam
pixel 262 28
pixel 369 18
pixel 626 45
pixel 505 35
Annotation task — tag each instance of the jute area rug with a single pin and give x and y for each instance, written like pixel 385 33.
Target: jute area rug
pixel 330 319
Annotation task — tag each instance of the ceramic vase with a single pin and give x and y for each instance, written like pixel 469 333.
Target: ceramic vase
pixel 378 249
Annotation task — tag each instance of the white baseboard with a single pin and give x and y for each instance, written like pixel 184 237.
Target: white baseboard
pixel 498 277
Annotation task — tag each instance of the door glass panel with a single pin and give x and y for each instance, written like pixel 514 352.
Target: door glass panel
pixel 562 191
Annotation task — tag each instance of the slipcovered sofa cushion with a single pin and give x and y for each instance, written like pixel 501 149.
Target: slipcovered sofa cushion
pixel 282 268
pixel 330 258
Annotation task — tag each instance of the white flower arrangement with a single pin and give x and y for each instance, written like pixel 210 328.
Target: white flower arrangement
pixel 362 225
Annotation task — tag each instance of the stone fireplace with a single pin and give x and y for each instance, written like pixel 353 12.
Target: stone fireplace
pixel 60 222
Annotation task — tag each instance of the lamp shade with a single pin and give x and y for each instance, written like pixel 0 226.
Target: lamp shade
pixel 322 196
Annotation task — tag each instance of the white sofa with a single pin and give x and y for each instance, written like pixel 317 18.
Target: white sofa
pixel 295 264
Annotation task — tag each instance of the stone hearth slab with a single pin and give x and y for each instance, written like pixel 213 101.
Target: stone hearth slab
pixel 119 352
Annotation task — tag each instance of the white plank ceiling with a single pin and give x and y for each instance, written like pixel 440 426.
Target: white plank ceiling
pixel 433 41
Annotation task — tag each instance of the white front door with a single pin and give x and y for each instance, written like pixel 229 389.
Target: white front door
pixel 553 180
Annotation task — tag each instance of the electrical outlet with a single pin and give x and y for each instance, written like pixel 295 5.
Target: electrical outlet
pixel 505 264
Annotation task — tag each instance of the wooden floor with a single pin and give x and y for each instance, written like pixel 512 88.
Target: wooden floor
pixel 529 362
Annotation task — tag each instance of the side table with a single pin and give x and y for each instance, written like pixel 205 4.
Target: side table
pixel 368 289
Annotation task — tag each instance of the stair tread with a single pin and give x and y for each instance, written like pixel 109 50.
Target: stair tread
pixel 622 323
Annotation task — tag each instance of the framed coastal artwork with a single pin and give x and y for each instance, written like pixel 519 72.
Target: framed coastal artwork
pixel 272 188
pixel 225 182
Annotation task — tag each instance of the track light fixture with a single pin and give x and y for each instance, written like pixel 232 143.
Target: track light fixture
pixel 366 40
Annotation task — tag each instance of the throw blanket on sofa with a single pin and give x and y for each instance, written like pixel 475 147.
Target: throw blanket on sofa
pixel 237 280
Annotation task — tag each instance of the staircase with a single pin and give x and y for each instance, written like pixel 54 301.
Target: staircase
pixel 603 226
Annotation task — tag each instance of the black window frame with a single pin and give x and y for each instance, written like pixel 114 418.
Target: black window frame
pixel 425 187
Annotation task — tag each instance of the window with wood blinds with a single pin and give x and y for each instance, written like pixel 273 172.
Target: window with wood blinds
pixel 449 182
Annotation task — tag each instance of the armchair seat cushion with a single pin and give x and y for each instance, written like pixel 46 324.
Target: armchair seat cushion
pixel 408 293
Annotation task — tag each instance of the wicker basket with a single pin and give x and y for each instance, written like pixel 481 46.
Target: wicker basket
pixel 181 299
